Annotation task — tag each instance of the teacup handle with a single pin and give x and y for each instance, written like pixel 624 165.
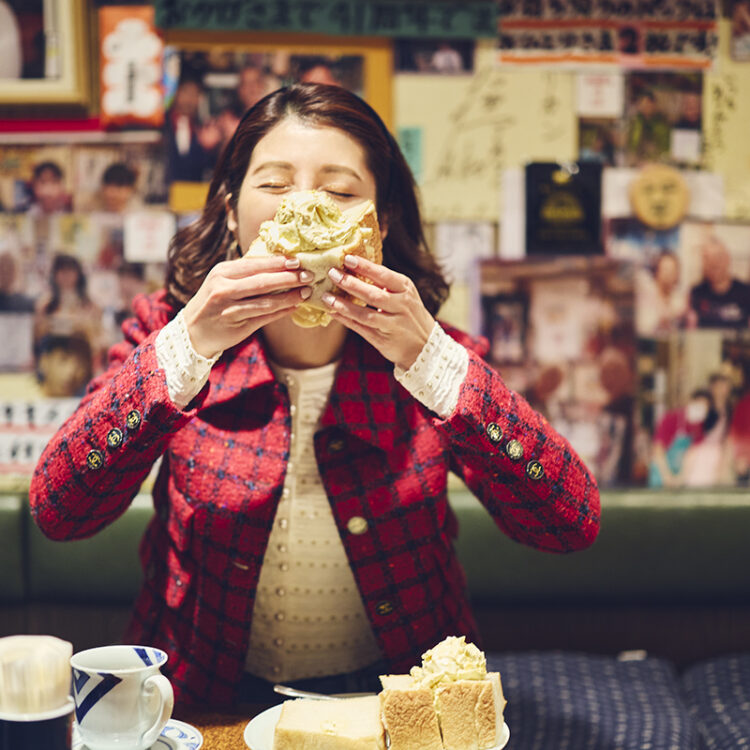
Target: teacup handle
pixel 160 684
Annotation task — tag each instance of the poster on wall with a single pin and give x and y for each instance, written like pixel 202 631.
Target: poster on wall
pixel 563 209
pixel 657 35
pixel 663 118
pixel 130 64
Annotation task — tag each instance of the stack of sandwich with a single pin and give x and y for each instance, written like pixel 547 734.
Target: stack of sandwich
pixel 451 702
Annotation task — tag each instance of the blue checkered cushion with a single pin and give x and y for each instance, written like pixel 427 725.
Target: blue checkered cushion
pixel 569 701
pixel 718 693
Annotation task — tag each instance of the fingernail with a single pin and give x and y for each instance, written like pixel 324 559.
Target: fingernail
pixel 336 275
pixel 306 276
pixel 350 261
pixel 292 263
pixel 305 292
pixel 328 298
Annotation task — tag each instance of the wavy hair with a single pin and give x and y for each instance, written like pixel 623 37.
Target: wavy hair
pixel 196 248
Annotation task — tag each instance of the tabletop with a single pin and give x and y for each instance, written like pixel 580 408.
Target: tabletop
pixel 221 731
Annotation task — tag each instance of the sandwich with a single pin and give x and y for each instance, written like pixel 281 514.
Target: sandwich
pixel 310 226
pixel 460 704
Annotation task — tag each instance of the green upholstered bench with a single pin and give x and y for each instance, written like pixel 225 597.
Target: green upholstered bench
pixel 12 567
pixel 667 574
pixel 12 524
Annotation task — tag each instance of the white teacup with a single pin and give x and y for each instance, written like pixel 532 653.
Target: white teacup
pixel 121 698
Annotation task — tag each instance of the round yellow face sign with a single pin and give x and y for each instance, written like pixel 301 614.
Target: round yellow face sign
pixel 659 196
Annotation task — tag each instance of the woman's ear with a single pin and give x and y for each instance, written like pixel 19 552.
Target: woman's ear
pixel 383 224
pixel 231 216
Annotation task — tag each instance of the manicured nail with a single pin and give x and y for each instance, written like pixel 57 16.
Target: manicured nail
pixel 292 263
pixel 350 261
pixel 305 292
pixel 306 276
pixel 328 298
pixel 336 275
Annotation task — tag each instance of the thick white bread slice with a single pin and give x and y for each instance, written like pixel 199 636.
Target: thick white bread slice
pixel 410 719
pixel 471 713
pixel 490 709
pixel 366 244
pixel 346 724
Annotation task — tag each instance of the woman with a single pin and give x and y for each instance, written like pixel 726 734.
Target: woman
pixel 302 526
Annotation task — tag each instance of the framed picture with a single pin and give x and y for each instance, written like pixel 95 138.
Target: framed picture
pixel 47 57
pixel 211 78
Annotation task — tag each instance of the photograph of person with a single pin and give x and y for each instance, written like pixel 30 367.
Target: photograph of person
pixel 434 56
pixel 600 140
pixel 661 301
pixel 283 445
pixel 213 88
pixel 22 39
pixel 663 117
pixel 740 30
pixel 716 258
pixel 67 309
pixel 48 192
pixel 117 179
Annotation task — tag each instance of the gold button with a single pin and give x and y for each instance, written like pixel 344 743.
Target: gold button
pixel 514 449
pixel 356 525
pixel 384 608
pixel 494 432
pixel 133 420
pixel 336 446
pixel 534 470
pixel 114 438
pixel 95 460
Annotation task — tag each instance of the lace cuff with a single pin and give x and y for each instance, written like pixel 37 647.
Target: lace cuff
pixel 436 376
pixel 186 370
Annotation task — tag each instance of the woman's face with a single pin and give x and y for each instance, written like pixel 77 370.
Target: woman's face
pixel 296 156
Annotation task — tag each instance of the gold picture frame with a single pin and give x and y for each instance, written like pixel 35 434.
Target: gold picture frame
pixel 67 42
pixel 377 54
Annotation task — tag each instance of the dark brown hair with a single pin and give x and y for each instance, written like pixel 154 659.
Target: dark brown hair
pixel 196 248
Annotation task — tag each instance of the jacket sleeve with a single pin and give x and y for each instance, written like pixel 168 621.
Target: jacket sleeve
pixel 527 475
pixel 94 465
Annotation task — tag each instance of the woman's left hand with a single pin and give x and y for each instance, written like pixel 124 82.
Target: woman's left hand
pixel 394 321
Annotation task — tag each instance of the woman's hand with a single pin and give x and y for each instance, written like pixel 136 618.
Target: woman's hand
pixel 240 296
pixel 394 321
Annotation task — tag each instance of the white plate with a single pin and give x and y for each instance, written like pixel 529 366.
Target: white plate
pixel 177 735
pixel 259 731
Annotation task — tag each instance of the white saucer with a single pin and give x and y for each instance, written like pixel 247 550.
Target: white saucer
pixel 258 733
pixel 177 735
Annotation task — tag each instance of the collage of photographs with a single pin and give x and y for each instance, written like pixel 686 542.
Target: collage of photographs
pixel 631 336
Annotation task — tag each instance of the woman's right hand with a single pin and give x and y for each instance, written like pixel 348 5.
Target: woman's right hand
pixel 240 296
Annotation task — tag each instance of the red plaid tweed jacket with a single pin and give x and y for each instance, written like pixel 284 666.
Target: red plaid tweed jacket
pixel 382 456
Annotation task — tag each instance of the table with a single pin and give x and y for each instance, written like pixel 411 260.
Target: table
pixel 221 731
